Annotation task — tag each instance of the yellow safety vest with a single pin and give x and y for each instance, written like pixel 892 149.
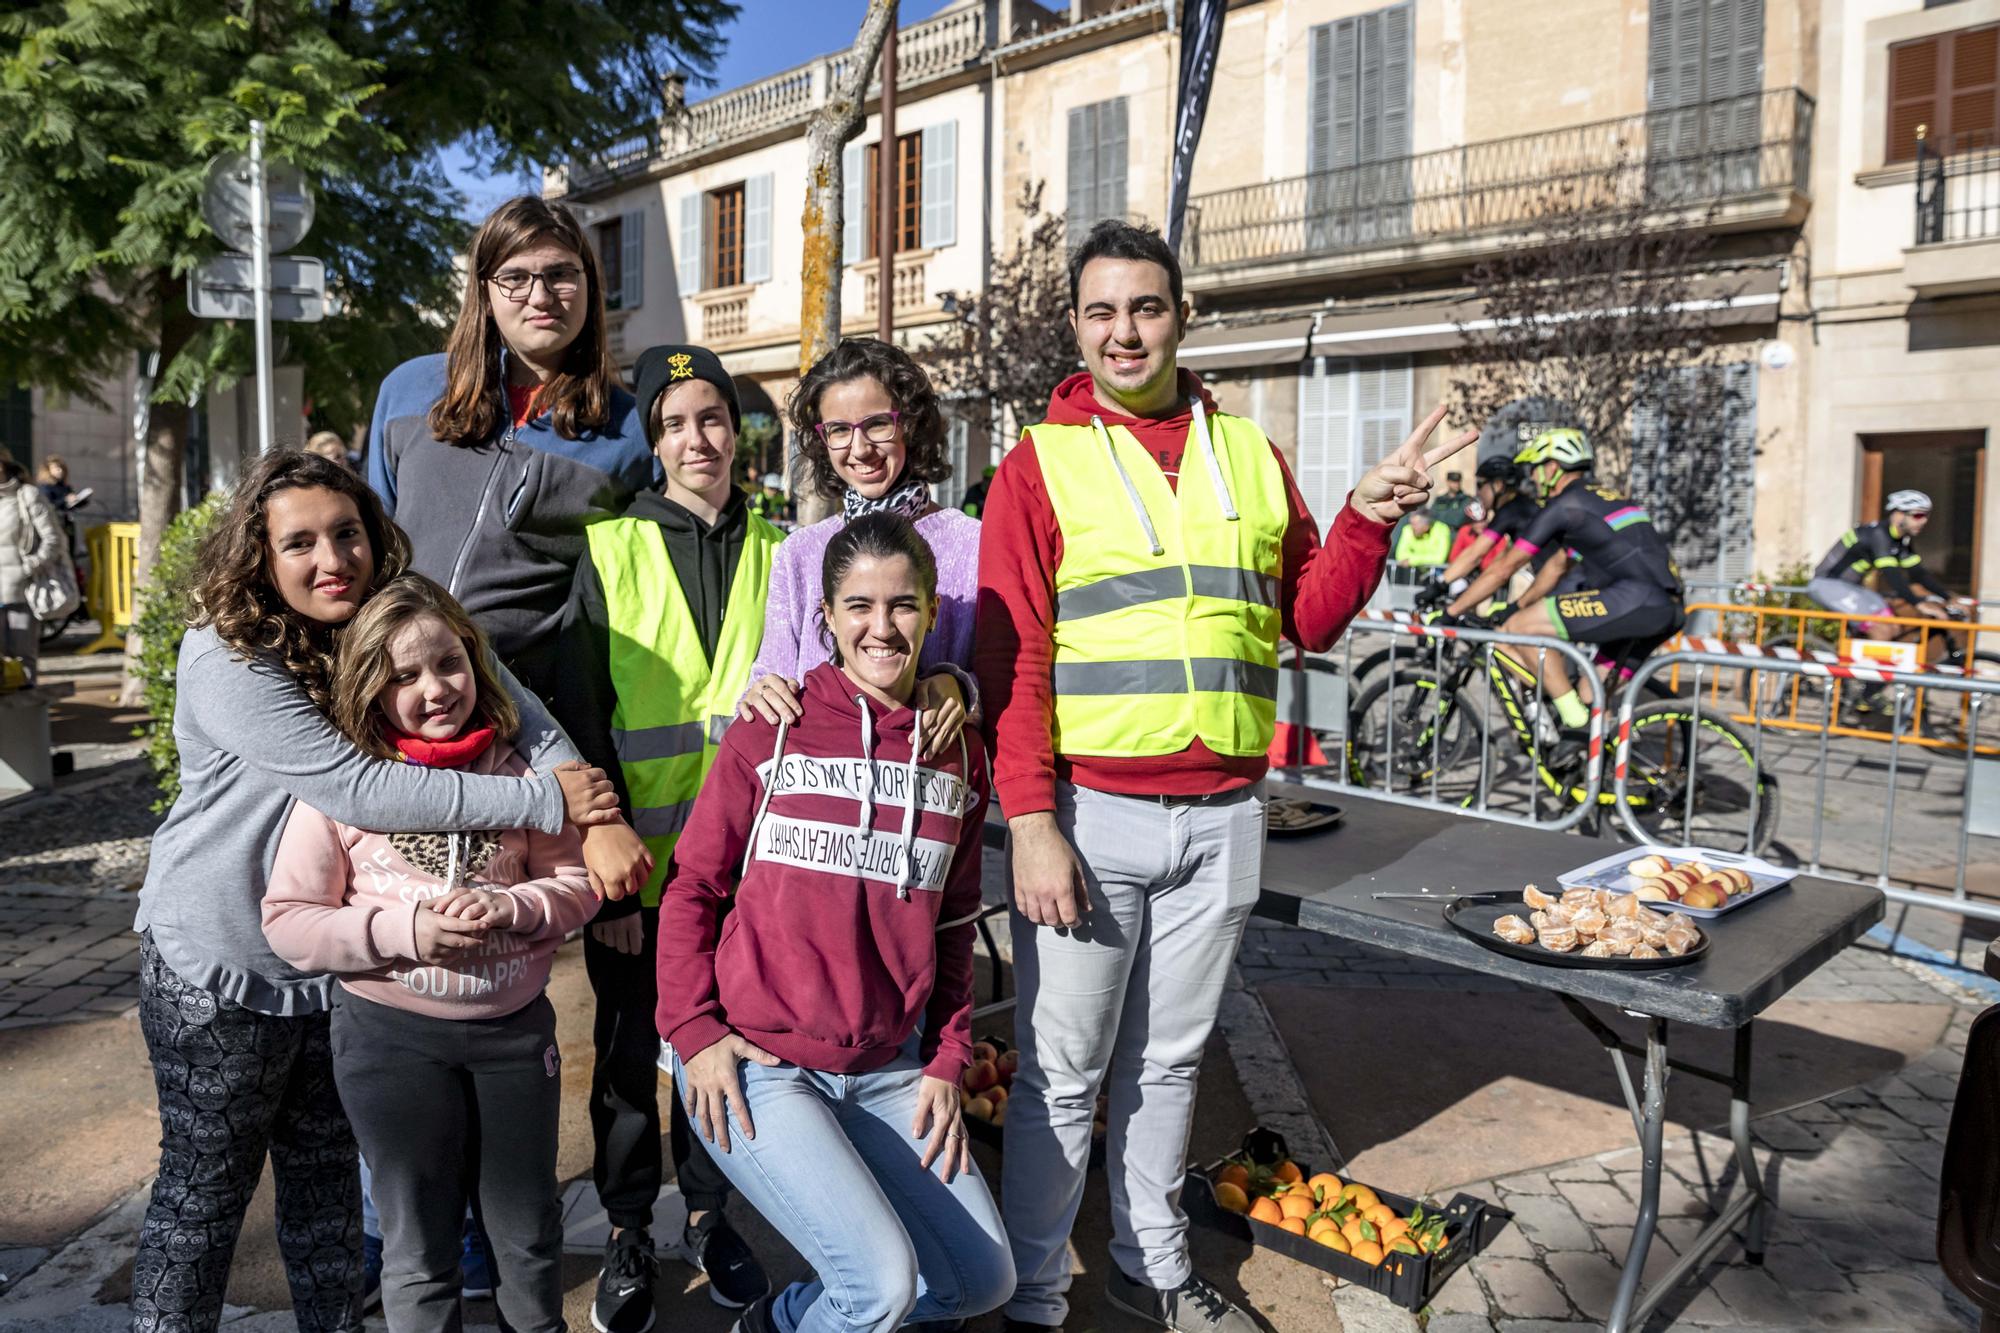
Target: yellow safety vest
pixel 1167 617
pixel 672 702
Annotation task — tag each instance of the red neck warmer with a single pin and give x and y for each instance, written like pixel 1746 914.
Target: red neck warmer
pixel 457 752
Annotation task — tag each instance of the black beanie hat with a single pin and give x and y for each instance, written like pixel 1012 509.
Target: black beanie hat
pixel 661 368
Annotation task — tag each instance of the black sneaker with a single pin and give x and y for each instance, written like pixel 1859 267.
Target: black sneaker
pixel 624 1301
pixel 1193 1307
pixel 735 1278
pixel 756 1319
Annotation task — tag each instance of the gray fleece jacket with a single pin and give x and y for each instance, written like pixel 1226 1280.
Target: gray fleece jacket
pixel 251 743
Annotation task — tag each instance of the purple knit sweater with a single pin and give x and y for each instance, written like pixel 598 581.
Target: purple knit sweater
pixel 792 644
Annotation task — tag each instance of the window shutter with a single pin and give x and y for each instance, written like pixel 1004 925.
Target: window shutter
pixel 1082 171
pixel 1346 140
pixel 690 254
pixel 1326 440
pixel 1381 407
pixel 1739 477
pixel 632 259
pixel 1319 110
pixel 757 229
pixel 1913 95
pixel 853 218
pixel 1111 158
pixel 1393 103
pixel 940 190
pixel 1973 115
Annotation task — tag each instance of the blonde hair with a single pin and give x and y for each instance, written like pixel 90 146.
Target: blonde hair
pixel 363 665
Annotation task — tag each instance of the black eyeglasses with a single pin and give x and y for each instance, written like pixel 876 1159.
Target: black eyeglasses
pixel 839 435
pixel 518 284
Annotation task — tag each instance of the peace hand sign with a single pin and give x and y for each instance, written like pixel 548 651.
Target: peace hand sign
pixel 1401 483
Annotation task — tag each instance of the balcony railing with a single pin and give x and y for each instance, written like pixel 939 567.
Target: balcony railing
pixel 1666 160
pixel 925 52
pixel 1958 189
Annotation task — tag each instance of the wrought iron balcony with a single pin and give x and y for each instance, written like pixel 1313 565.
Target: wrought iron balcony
pixel 926 52
pixel 1740 148
pixel 1958 189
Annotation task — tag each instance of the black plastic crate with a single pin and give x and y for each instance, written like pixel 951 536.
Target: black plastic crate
pixel 1410 1280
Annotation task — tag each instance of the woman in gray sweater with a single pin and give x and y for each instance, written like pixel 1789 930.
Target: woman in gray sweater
pixel 238 1038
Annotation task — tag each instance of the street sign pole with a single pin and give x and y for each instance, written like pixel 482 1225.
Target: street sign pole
pixel 260 258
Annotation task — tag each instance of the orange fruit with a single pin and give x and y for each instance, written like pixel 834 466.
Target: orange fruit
pixel 1296 1205
pixel 1234 1174
pixel 1402 1245
pixel 1379 1214
pixel 1351 1230
pixel 1232 1198
pixel 1325 1185
pixel 1362 1197
pixel 1287 1171
pixel 1294 1225
pixel 1264 1210
pixel 1331 1238
pixel 1368 1252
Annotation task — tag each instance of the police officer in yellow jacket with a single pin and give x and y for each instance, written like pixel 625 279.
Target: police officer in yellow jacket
pixel 663 625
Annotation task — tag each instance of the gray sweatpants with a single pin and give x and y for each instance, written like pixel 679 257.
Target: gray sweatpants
pixel 1134 989
pixel 449 1111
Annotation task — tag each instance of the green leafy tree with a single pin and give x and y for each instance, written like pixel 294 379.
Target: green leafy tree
pixel 110 111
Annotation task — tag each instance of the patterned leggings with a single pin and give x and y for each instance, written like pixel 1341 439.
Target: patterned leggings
pixel 233 1083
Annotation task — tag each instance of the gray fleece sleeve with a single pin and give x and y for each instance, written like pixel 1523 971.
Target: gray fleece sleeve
pixel 256 711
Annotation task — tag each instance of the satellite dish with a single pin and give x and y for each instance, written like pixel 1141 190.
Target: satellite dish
pixel 228 202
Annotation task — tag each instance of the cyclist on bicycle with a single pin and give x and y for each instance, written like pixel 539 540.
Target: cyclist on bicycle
pixel 1628 587
pixel 1511 510
pixel 1886 553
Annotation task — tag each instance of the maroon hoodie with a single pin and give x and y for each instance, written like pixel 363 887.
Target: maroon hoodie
pixel 1020 546
pixel 850 911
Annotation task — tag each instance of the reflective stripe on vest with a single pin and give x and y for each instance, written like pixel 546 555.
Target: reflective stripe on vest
pixel 1167 619
pixel 673 704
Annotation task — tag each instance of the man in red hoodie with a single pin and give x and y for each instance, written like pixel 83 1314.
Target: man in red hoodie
pixel 1142 553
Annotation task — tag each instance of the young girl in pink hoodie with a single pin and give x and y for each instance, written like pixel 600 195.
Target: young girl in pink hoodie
pixel 444 1046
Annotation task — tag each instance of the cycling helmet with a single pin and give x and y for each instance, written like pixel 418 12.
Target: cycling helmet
pixel 1501 469
pixel 1565 446
pixel 1907 502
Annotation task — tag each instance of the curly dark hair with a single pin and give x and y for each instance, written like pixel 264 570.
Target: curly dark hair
pixel 233 590
pixel 909 388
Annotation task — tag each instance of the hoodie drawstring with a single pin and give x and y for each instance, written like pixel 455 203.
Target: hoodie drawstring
pixel 1131 491
pixel 777 756
pixel 867 764
pixel 904 877
pixel 1214 467
pixel 451 862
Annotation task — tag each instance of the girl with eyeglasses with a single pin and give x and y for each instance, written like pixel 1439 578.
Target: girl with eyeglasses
pixel 871 436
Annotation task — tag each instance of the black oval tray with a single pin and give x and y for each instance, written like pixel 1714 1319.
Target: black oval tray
pixel 1475 916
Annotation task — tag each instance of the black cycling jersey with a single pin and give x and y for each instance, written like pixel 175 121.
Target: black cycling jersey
pixel 1612 535
pixel 1513 518
pixel 1872 549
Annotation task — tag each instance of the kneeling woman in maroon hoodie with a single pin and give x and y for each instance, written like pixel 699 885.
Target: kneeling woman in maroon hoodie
pixel 818 1029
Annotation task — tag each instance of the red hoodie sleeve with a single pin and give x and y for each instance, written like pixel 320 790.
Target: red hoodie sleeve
pixel 946 1048
pixel 1325 586
pixel 1019 548
pixel 706 861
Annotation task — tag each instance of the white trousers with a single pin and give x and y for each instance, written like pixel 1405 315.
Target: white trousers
pixel 1135 990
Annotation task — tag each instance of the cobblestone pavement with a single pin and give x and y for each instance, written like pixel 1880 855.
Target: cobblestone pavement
pixel 70 865
pixel 1851 1245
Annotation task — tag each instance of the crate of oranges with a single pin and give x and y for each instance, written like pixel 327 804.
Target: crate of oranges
pixel 1403 1248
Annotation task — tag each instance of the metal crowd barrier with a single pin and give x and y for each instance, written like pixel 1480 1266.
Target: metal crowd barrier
pixel 1757 633
pixel 1828 675
pixel 1297 706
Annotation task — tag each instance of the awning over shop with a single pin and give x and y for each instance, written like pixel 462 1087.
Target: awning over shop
pixel 1749 297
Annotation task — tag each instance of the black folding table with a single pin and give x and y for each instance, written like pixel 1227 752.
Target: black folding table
pixel 1324 882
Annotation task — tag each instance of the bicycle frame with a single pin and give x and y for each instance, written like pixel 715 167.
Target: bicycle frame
pixel 1438 637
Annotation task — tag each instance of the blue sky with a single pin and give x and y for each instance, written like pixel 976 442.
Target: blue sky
pixel 771 35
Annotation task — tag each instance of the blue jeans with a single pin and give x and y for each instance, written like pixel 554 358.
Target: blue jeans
pixel 835 1169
